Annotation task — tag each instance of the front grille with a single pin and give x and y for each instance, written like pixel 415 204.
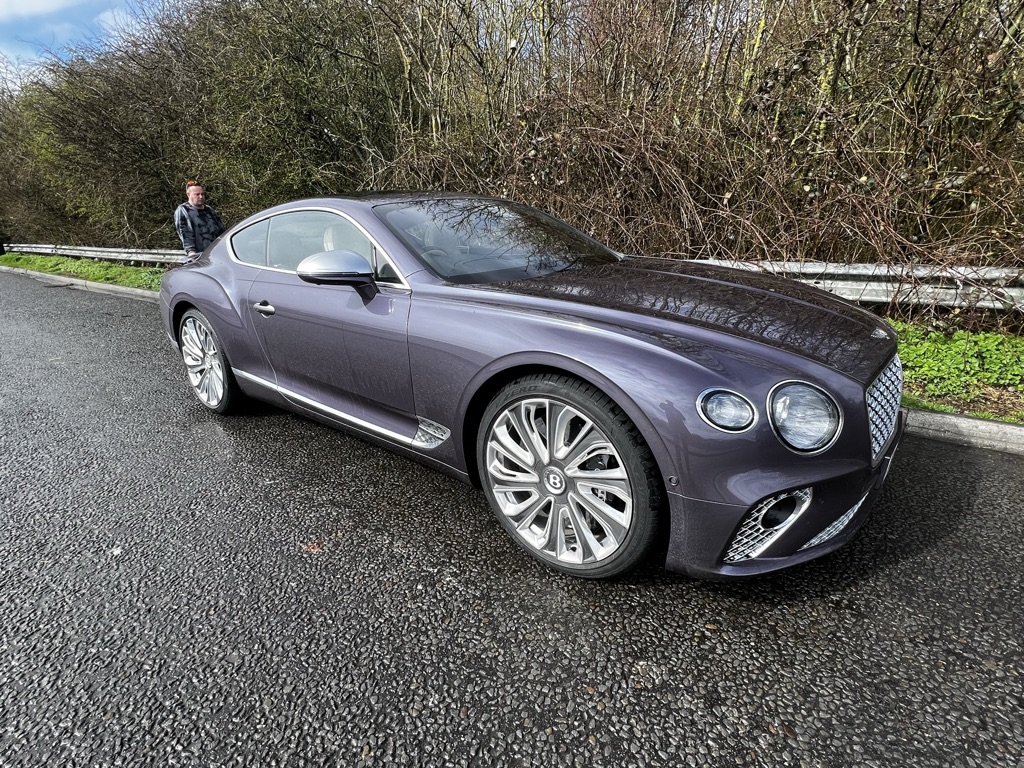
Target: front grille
pixel 760 528
pixel 884 396
pixel 833 530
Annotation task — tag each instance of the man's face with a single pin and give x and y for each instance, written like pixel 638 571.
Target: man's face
pixel 196 196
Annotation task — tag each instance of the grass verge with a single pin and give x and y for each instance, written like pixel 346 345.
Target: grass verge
pixel 87 269
pixel 946 369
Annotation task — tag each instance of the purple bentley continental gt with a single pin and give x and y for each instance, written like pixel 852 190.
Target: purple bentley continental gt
pixel 609 407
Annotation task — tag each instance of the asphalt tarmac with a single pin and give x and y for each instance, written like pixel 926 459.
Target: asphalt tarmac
pixel 182 589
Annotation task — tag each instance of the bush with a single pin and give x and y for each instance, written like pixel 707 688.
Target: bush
pixel 959 364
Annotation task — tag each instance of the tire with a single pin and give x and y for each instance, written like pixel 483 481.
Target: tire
pixel 209 373
pixel 569 476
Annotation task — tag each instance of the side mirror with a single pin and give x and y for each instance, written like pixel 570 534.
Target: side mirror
pixel 339 268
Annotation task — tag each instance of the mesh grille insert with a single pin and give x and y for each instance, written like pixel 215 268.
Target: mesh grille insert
pixel 757 532
pixel 884 397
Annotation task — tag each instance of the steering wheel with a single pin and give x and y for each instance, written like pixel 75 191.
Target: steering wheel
pixel 460 265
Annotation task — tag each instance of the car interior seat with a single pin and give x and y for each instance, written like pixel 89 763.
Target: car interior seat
pixel 345 237
pixel 285 250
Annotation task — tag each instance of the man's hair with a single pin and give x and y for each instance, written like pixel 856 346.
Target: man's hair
pixel 191 183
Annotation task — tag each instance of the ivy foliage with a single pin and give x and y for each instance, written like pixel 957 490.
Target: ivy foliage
pixel 958 364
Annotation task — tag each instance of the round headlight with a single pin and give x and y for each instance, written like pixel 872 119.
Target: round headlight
pixel 805 417
pixel 726 410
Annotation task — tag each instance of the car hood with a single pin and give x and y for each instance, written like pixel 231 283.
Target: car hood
pixel 781 313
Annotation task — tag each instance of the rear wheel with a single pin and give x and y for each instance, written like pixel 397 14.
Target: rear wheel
pixel 569 476
pixel 207 367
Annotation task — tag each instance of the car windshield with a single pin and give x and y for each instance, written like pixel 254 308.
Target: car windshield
pixel 472 240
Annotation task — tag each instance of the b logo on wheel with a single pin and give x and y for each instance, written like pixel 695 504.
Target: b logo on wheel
pixel 554 481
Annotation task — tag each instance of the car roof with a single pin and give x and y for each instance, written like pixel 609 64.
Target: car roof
pixel 364 201
pixel 378 198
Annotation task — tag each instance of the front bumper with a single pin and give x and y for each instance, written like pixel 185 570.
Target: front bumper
pixel 713 540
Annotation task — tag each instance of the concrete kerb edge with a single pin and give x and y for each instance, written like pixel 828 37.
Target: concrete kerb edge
pixel 142 294
pixel 967 430
pixel 948 427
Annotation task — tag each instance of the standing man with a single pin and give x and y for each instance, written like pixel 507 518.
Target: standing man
pixel 197 223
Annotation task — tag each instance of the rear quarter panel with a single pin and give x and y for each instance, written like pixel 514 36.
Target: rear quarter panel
pixel 220 292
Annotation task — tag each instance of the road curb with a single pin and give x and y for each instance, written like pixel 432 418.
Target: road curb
pixel 948 427
pixel 142 294
pixel 967 430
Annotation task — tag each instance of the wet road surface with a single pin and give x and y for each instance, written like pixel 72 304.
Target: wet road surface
pixel 182 589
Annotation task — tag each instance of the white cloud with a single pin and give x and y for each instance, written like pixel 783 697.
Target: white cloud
pixel 14 9
pixel 51 38
pixel 115 20
pixel 109 20
pixel 17 61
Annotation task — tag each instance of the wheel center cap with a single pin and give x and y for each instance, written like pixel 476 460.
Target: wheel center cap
pixel 554 481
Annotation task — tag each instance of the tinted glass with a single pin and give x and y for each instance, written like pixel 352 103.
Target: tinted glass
pixel 486 241
pixel 343 235
pixel 250 244
pixel 296 235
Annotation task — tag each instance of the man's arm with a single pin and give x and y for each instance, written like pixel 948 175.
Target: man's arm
pixel 183 223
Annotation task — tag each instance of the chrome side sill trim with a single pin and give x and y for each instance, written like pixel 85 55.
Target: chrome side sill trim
pixel 429 434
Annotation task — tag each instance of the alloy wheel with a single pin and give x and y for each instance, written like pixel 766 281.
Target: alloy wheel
pixel 203 361
pixel 559 481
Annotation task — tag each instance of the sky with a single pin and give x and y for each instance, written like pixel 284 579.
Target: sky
pixel 29 28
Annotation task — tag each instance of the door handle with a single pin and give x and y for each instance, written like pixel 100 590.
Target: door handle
pixel 264 308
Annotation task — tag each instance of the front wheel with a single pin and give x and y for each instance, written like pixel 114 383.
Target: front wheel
pixel 207 367
pixel 569 476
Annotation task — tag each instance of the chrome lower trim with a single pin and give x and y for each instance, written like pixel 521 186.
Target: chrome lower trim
pixel 833 530
pixel 428 435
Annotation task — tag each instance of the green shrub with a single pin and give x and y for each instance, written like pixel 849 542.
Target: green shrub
pixel 959 364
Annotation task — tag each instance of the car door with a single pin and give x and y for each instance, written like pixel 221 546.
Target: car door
pixel 333 352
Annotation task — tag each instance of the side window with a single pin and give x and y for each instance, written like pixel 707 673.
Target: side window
pixel 250 244
pixel 343 235
pixel 386 273
pixel 283 241
pixel 294 236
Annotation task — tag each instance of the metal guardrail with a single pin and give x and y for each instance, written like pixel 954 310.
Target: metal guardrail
pixel 133 256
pixel 997 288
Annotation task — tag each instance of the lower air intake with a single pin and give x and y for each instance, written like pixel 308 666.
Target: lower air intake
pixel 763 524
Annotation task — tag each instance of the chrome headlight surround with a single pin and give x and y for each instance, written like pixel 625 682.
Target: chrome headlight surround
pixel 726 410
pixel 804 417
